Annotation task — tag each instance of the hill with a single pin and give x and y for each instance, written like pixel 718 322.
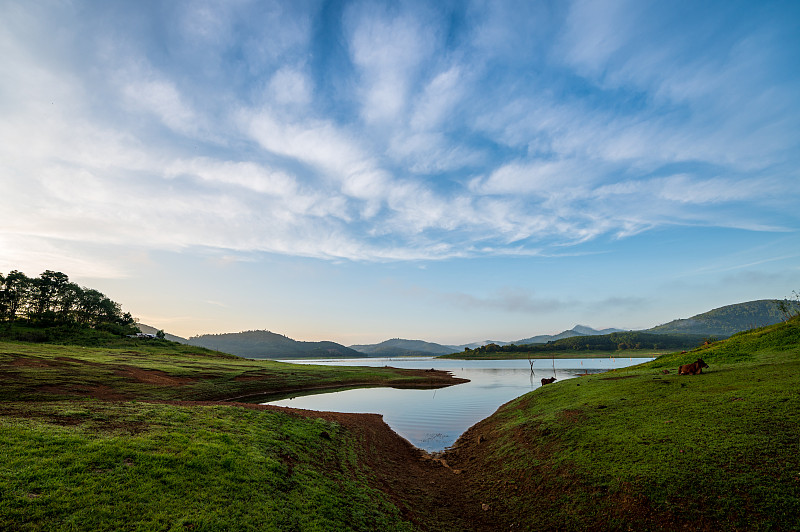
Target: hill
pixel 142 438
pixel 728 320
pixel 266 344
pixel 605 343
pixel 399 347
pixel 640 449
pixel 578 330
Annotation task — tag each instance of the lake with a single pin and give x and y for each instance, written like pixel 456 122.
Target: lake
pixel 434 419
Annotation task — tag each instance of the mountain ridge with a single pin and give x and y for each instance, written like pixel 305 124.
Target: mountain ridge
pixel 267 344
pixel 727 320
pixel 403 347
pixel 720 322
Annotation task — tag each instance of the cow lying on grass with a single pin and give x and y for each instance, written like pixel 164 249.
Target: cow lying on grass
pixel 695 368
pixel 551 380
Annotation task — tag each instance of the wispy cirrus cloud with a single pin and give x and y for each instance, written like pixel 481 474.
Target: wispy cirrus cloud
pixel 508 300
pixel 388 49
pixel 448 133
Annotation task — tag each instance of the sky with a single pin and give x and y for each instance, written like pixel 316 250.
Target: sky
pixel 452 171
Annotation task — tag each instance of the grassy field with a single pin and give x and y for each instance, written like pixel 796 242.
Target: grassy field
pixel 118 439
pixel 36 372
pixel 640 449
pixel 627 353
pixel 139 438
pixel 92 465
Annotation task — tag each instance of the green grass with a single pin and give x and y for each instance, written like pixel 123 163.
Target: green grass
pixel 90 441
pixel 36 372
pixel 719 450
pixel 89 465
pixel 629 449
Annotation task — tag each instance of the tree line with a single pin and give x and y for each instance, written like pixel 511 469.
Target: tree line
pixel 51 299
pixel 618 341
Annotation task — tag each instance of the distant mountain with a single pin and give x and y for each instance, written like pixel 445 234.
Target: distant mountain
pixel 616 341
pixel 578 330
pixel 728 320
pixel 266 344
pixel 397 347
pixel 148 329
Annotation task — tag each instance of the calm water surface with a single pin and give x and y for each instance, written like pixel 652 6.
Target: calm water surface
pixel 434 419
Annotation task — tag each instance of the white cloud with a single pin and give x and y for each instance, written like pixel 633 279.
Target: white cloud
pixel 388 50
pixel 444 159
pixel 539 177
pixel 432 152
pixel 32 254
pixel 161 98
pixel 438 99
pixel 245 174
pixel 595 31
pixel 290 86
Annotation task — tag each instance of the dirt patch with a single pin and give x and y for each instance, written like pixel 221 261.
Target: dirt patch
pixel 34 362
pixel 153 376
pixel 98 391
pixel 103 392
pixel 79 361
pixel 27 411
pixel 617 378
pixel 56 390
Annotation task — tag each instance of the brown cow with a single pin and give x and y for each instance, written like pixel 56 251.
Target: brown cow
pixel 695 368
pixel 551 380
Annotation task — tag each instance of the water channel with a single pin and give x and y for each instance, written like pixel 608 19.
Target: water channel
pixel 434 419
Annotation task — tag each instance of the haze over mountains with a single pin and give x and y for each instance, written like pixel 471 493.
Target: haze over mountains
pixel 721 322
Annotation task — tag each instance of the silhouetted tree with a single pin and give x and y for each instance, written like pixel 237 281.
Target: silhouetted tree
pixel 51 298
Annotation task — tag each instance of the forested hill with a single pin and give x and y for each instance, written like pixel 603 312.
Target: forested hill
pixel 728 320
pixel 618 341
pixel 266 344
pixel 578 330
pixel 399 347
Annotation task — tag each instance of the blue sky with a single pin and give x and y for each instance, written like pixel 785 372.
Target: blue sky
pixel 450 171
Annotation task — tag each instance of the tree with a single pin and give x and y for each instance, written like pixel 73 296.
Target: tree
pixel 69 302
pixel 160 334
pixel 14 294
pixel 790 307
pixel 47 290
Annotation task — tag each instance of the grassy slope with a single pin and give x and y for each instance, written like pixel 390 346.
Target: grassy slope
pixel 92 465
pixel 638 448
pixel 38 372
pixel 629 449
pixel 83 449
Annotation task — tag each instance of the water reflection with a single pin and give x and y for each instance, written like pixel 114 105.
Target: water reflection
pixel 434 419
